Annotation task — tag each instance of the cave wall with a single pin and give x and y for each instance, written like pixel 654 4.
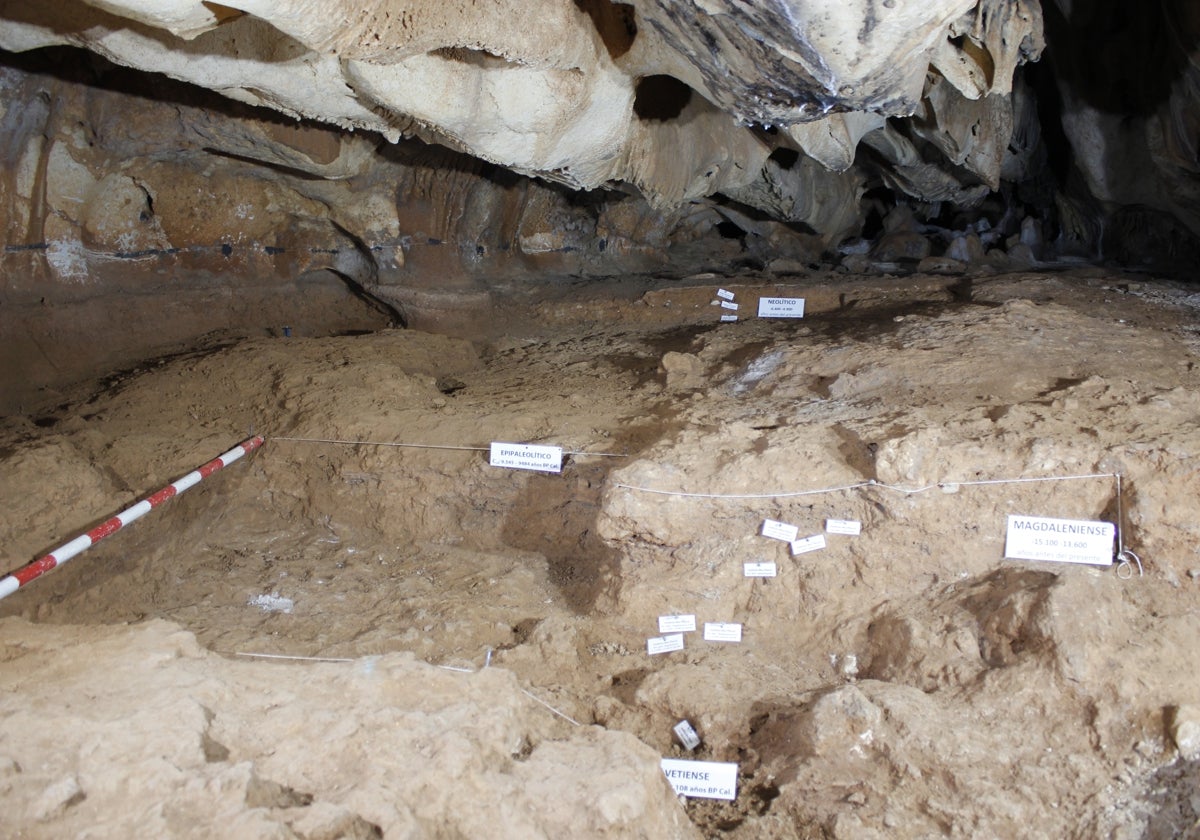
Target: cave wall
pixel 140 215
pixel 273 170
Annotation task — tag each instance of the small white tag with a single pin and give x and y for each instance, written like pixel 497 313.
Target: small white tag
pixel 759 569
pixel 728 318
pixel 524 456
pixel 780 307
pixel 701 779
pixel 664 644
pixel 725 304
pixel 779 530
pixel 721 632
pixel 676 623
pixel 850 527
pixel 687 735
pixel 813 543
pixel 1059 540
pixel 725 294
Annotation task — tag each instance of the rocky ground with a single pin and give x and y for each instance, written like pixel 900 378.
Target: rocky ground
pixel 484 631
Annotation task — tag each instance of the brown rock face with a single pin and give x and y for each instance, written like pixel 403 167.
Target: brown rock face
pixel 416 160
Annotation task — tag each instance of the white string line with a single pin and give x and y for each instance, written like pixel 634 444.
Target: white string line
pixel 487 663
pixel 551 708
pixel 430 446
pixel 1123 555
pixel 909 491
pixel 299 658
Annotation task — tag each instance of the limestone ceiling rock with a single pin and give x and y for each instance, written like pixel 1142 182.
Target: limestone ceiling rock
pixel 681 99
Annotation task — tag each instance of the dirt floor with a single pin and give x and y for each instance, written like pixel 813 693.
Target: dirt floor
pixel 486 629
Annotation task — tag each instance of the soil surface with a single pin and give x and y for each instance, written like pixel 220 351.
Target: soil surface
pixel 486 629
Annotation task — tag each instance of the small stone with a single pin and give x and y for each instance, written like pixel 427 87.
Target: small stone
pixel 58 797
pixel 1145 749
pixel 1194 574
pixel 857 798
pixel 848 666
pixel 1185 731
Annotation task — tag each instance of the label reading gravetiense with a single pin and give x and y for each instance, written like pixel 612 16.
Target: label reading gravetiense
pixel 1059 540
pixel 780 307
pixel 702 779
pixel 524 456
pixel 725 304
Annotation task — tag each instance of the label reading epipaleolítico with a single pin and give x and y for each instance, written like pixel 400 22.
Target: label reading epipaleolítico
pixel 702 779
pixel 1059 540
pixel 725 294
pixel 769 307
pixel 525 456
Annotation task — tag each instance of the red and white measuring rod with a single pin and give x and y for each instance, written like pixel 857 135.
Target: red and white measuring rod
pixel 62 554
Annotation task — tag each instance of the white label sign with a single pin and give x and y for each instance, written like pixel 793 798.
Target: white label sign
pixel 779 530
pixel 664 644
pixel 813 543
pixel 721 632
pixel 759 569
pixel 676 623
pixel 725 304
pixel 1059 540
pixel 701 779
pixel 728 318
pixel 850 527
pixel 687 735
pixel 725 294
pixel 780 307
pixel 524 456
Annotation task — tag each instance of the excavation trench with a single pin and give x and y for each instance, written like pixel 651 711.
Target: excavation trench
pixel 863 668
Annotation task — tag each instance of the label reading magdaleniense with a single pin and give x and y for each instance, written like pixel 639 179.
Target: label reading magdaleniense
pixel 1059 540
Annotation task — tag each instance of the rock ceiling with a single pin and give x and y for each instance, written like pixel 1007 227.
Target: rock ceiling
pixel 680 99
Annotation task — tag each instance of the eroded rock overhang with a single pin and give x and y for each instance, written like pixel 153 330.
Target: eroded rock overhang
pixel 681 100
